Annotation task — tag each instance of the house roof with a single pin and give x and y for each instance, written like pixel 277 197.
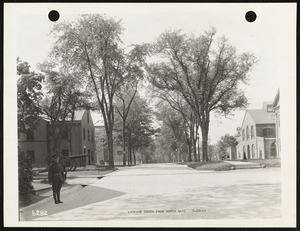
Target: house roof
pixel 97 116
pixel 276 99
pixel 78 114
pixel 99 123
pixel 261 116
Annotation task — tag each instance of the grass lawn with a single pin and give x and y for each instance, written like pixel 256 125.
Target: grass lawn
pixel 211 165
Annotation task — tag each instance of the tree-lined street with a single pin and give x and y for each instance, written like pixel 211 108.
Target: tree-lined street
pixel 170 191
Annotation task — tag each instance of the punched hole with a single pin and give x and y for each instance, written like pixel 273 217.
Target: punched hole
pixel 250 16
pixel 53 15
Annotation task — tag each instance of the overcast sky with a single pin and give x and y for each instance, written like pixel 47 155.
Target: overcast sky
pixel 269 38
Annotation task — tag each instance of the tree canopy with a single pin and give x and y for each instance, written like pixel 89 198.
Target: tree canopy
pixel 29 88
pixel 91 48
pixel 225 141
pixel 206 71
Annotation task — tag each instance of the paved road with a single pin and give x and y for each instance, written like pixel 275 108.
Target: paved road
pixel 170 191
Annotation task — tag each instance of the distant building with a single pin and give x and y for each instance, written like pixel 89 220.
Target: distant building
pixel 276 106
pixel 102 155
pixel 258 134
pixel 78 143
pixel 100 152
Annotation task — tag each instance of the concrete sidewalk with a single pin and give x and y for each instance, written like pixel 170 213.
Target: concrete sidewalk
pixel 73 197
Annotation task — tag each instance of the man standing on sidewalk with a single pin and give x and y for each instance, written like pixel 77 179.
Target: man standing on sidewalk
pixel 56 178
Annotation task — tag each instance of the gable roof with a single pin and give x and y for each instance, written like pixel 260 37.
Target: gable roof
pixel 78 114
pixel 98 118
pixel 99 123
pixel 260 116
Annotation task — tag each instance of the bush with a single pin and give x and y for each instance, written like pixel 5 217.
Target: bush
pixel 25 173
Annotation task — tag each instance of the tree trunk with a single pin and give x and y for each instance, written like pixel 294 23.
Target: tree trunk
pixel 124 147
pixel 110 150
pixel 195 150
pixel 195 137
pixel 129 150
pixel 204 131
pixel 134 157
pixel 189 150
pixel 188 141
pixel 192 135
pixel 199 158
pixel 128 156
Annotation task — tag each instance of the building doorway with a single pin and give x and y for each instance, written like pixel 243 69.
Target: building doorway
pixel 248 152
pixel 253 152
pixel 260 154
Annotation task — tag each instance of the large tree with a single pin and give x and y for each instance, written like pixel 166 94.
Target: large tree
pixel 64 96
pixel 177 103
pixel 128 89
pixel 91 47
pixel 173 119
pixel 29 88
pixel 139 130
pixel 205 71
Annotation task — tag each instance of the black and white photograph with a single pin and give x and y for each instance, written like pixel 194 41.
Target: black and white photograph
pixel 149 115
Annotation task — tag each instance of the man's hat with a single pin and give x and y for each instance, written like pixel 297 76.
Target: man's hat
pixel 55 156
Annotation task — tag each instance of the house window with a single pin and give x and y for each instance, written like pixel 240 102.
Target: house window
pixel 84 134
pixel 92 156
pixel 30 134
pixel 267 131
pixel 247 133
pixel 31 155
pixel 88 135
pixel 92 137
pixel 88 117
pixel 252 132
